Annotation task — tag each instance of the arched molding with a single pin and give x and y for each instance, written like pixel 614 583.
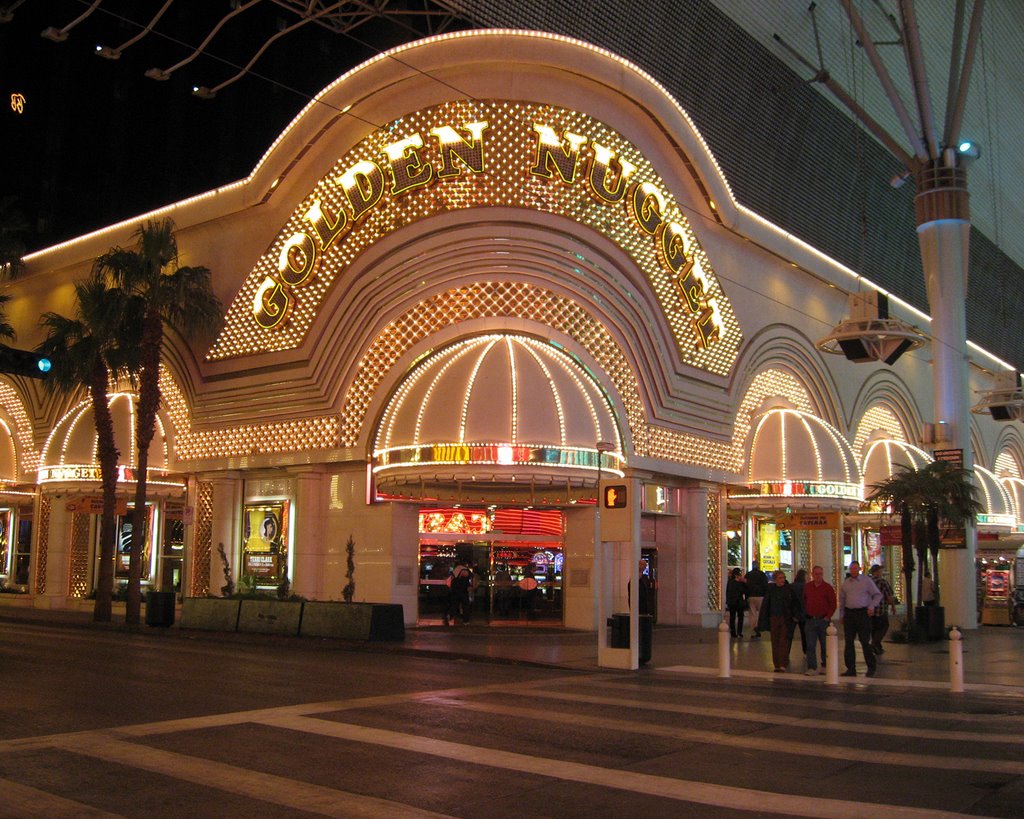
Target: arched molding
pixel 883 389
pixel 22 432
pixel 980 453
pixel 780 347
pixel 1010 444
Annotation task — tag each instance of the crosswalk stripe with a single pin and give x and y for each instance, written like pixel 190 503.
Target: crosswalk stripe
pixel 779 696
pixel 628 780
pixel 874 682
pixel 809 722
pixel 757 742
pixel 265 787
pixel 23 801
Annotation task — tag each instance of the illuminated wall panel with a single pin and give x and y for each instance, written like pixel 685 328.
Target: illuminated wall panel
pixel 202 541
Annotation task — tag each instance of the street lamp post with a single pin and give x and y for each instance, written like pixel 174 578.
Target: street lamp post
pixel 602 636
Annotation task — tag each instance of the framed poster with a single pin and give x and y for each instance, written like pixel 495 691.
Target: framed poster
pixel 265 541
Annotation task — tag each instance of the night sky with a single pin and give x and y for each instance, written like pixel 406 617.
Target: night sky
pixel 99 142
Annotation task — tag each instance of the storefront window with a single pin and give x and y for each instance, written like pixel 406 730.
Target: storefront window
pixel 23 549
pixel 124 544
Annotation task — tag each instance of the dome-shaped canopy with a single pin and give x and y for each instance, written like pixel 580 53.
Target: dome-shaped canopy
pixel 494 409
pixel 70 453
pixel 884 456
pixel 1014 488
pixel 801 460
pixel 998 513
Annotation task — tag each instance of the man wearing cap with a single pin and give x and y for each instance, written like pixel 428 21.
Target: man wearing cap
pixel 859 598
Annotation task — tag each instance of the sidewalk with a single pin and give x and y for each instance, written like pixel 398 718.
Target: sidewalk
pixel 993 656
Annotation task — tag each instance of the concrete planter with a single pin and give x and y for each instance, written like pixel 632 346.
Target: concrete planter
pixel 354 621
pixel 270 616
pixel 210 613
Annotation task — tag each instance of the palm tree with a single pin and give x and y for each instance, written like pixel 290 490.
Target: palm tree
pixel 903 494
pixel 87 350
pixel 178 297
pixel 925 499
pixel 950 498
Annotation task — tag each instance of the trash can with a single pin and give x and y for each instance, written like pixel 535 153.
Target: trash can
pixel 160 608
pixel 620 633
pixel 933 620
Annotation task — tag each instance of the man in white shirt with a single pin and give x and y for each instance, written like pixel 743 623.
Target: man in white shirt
pixel 859 597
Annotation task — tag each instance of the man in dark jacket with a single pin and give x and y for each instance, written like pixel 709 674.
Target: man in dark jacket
pixel 757 585
pixel 779 612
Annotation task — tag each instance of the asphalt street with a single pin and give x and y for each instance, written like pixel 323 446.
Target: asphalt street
pixel 167 723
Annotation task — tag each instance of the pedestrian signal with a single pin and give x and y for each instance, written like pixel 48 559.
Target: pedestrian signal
pixel 615 496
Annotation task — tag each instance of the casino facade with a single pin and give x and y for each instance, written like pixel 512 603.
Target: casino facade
pixel 476 279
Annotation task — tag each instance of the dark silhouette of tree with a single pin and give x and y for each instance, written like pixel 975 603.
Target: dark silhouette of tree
pixel 172 296
pixel 88 350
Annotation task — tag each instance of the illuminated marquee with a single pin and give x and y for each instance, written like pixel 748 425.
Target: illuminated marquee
pixel 483 154
pixel 802 489
pixel 91 472
pixel 495 454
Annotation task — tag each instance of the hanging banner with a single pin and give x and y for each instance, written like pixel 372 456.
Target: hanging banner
pixel 768 545
pixel 809 520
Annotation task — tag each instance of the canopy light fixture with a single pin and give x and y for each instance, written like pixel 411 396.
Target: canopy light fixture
pixel 870 334
pixel 1005 401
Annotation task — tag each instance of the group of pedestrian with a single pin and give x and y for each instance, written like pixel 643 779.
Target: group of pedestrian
pixel 780 608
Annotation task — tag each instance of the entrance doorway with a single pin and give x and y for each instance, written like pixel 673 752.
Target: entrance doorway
pixel 514 581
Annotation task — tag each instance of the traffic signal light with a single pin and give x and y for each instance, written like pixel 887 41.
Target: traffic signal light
pixel 23 362
pixel 615 496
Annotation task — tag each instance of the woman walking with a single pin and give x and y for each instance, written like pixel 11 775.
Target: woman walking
pixel 736 601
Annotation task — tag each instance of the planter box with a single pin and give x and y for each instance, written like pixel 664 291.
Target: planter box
pixel 270 616
pixel 354 621
pixel 210 613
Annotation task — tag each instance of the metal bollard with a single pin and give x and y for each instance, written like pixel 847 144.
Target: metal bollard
pixel 724 649
pixel 956 661
pixel 832 655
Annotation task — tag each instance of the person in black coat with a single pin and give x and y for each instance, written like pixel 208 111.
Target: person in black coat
pixel 779 612
pixel 736 601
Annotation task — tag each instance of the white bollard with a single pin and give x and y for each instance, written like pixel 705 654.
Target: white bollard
pixel 832 655
pixel 956 661
pixel 724 649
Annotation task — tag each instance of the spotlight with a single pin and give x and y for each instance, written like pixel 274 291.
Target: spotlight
pixel 968 148
pixel 108 53
pixel 55 34
pixel 203 92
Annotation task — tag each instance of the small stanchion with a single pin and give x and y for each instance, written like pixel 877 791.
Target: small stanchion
pixel 832 655
pixel 724 649
pixel 956 661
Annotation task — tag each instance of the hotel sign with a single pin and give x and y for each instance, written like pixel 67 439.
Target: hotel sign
pixel 803 489
pixel 496 454
pixel 484 154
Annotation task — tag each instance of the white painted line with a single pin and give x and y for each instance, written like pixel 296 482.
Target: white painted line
pixel 812 723
pixel 23 801
pixel 981 688
pixel 265 787
pixel 781 696
pixel 681 790
pixel 758 742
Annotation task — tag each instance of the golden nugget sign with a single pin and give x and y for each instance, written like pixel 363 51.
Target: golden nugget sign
pixel 449 153
pixel 803 489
